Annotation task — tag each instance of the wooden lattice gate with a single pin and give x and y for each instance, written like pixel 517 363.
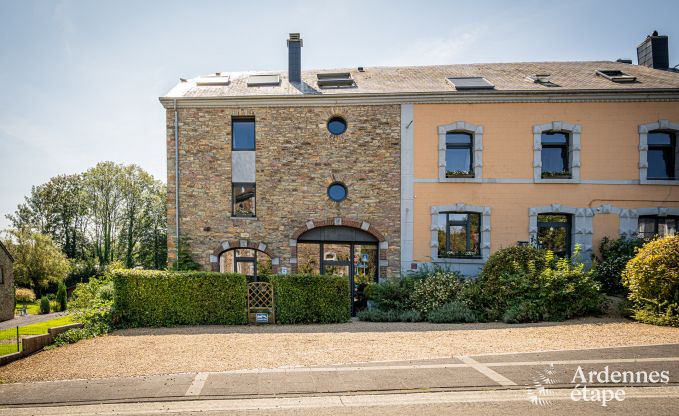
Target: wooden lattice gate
pixel 261 308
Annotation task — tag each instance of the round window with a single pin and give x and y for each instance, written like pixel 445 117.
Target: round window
pixel 337 191
pixel 337 125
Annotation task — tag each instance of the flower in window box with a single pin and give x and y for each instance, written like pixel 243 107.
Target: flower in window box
pixel 459 174
pixel 557 175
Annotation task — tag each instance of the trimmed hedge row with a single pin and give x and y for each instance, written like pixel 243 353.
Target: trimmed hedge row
pixel 166 298
pixel 306 299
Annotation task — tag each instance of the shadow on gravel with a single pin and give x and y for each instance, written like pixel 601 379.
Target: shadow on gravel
pixel 354 326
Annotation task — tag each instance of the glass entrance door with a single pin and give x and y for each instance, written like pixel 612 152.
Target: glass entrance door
pixel 358 262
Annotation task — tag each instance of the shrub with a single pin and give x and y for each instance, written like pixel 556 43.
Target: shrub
pixel 393 294
pixel 377 315
pixel 652 278
pixel 24 295
pixel 523 312
pixel 61 296
pixel 410 316
pixel 451 312
pixel 166 298
pixel 44 305
pixel 608 268
pixel 513 259
pixel 561 290
pixel 307 298
pixel 435 290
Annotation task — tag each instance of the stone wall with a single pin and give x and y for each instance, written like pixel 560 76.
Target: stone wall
pixel 6 288
pixel 296 159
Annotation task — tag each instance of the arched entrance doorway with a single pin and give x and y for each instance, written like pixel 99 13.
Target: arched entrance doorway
pixel 343 251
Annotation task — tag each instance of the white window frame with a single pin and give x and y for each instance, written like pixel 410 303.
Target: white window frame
pixel 573 131
pixel 477 146
pixel 643 152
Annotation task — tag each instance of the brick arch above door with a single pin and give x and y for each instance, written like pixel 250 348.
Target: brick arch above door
pixel 234 244
pixel 365 226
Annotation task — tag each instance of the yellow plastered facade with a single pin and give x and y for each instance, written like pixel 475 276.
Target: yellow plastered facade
pixel 609 140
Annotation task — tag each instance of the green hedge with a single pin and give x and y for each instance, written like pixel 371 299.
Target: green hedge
pixel 166 298
pixel 305 299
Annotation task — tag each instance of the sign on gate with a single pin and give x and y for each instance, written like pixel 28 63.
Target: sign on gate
pixel 261 303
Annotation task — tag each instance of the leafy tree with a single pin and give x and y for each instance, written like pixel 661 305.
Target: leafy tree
pixel 111 212
pixel 103 184
pixel 56 208
pixel 37 260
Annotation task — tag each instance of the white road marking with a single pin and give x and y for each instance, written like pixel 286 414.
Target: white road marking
pixel 481 368
pixel 311 402
pixel 197 385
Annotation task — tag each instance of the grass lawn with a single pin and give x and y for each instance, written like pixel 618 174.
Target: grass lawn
pixel 34 308
pixel 8 336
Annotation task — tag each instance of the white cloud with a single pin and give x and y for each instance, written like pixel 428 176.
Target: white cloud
pixel 435 50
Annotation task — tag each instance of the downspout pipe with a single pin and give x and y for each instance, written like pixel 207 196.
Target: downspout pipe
pixel 176 179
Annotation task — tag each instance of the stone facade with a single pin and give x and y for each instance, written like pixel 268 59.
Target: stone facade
pixel 296 159
pixel 6 285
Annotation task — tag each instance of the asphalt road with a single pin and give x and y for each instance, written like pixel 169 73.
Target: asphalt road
pixel 631 380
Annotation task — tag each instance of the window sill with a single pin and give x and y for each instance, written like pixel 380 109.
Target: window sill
pixel 232 217
pixel 461 179
pixel 659 182
pixel 557 180
pixel 460 260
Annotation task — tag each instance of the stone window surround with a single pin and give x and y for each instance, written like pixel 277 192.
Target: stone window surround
pixel 582 228
pixel 643 151
pixel 230 245
pixel 573 131
pixel 629 218
pixel 485 232
pixel 477 144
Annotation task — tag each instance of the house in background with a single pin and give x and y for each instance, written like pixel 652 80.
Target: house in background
pixel 370 172
pixel 6 285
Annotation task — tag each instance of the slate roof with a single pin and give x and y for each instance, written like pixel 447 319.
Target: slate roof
pixel 570 76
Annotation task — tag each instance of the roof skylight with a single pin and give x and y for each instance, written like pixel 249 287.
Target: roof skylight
pixel 213 80
pixel 263 80
pixel 335 80
pixel 615 75
pixel 470 83
pixel 543 79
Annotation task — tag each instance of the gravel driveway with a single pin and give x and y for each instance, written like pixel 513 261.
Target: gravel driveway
pixel 146 351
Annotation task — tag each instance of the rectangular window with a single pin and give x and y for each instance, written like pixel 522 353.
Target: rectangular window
pixel 243 134
pixel 554 233
pixel 662 147
pixel 243 199
pixel 459 234
pixel 2 276
pixel 555 155
pixel 459 155
pixel 652 225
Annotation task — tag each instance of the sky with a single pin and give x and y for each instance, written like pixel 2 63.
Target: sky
pixel 81 79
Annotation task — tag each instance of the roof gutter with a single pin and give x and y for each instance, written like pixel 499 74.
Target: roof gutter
pixel 636 95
